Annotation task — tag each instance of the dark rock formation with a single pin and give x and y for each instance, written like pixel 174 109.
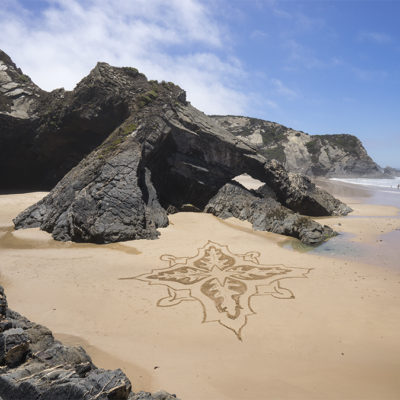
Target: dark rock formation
pixel 43 135
pixel 34 366
pixel 265 213
pixel 299 194
pixel 161 395
pixel 160 154
pixel 314 155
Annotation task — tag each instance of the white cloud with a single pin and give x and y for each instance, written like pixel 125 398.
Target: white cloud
pixel 176 41
pixel 374 37
pixel 259 34
pixel 299 20
pixel 283 90
pixel 369 74
pixel 302 56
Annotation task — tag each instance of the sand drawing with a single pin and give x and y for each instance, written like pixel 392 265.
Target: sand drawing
pixel 223 282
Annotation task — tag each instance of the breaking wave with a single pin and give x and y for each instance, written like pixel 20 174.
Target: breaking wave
pixel 390 184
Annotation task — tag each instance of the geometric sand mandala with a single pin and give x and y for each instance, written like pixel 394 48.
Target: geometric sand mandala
pixel 222 282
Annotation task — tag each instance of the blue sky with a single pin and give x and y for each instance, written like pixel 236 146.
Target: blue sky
pixel 316 66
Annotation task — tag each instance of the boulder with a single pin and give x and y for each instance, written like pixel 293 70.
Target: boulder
pixel 265 214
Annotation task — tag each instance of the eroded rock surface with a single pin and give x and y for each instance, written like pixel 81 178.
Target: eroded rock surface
pixel 159 154
pixel 18 94
pixel 339 155
pixel 35 366
pixel 43 135
pixel 265 214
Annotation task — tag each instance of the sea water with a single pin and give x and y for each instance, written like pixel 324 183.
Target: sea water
pixel 375 191
pixel 377 183
pixel 379 191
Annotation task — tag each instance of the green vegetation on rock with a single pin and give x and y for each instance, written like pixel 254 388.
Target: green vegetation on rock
pixel 275 153
pixel 23 78
pixel 116 139
pixel 272 136
pixel 131 71
pixel 346 142
pixel 127 129
pixel 314 148
pixel 147 97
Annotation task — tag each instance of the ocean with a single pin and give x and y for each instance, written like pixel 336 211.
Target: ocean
pixel 378 191
pixel 377 183
pixel 363 190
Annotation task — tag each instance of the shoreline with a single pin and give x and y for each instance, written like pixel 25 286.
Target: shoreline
pixel 336 339
pixel 357 193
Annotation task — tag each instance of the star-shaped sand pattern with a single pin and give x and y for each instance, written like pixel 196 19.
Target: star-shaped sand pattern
pixel 223 282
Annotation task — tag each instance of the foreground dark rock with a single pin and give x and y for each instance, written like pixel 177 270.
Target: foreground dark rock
pixel 340 155
pixel 160 154
pixel 34 366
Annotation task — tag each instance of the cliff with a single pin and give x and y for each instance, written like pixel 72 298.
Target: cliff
pixel 313 155
pixel 43 135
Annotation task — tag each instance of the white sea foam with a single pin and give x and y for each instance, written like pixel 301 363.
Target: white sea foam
pixel 378 183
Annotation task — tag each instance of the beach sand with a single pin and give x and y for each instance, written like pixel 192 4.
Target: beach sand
pixel 332 334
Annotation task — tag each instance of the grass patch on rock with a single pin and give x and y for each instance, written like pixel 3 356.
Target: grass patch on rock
pixel 275 153
pixel 147 97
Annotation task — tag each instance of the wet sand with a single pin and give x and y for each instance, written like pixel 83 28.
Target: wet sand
pixel 361 194
pixel 333 334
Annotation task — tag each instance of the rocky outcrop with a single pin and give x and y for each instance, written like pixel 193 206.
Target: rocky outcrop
pixel 159 154
pixel 35 366
pixel 265 213
pixel 43 135
pixel 392 172
pixel 314 155
pixel 18 94
pixel 299 193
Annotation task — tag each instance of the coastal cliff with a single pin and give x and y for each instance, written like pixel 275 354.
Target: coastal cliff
pixel 339 155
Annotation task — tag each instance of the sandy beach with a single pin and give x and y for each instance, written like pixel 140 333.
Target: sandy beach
pixel 285 321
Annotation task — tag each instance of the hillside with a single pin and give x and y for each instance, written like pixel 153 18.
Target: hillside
pixel 313 155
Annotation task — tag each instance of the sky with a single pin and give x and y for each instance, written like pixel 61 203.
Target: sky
pixel 318 66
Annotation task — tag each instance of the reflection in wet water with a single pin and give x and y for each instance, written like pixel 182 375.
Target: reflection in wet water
pixel 360 193
pixel 383 252
pixel 340 245
pixel 9 241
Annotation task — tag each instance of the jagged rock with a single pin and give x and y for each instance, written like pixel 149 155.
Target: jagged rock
pixel 160 154
pixel 391 172
pixel 3 304
pixel 298 193
pixel 339 155
pixel 43 135
pixel 34 366
pixel 265 213
pixel 161 395
pixel 14 345
pixel 18 94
